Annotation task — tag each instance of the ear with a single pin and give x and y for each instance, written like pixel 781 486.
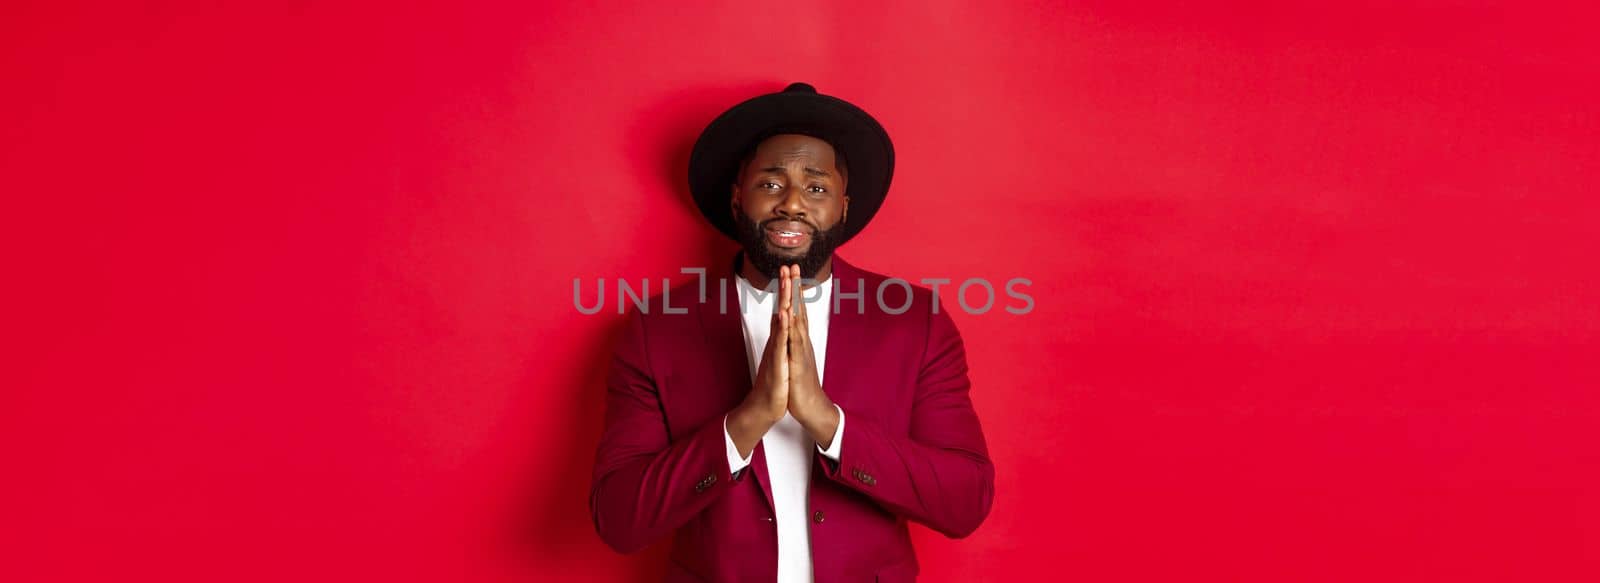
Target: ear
pixel 844 209
pixel 733 198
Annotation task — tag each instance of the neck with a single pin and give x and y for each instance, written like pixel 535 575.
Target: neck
pixel 760 280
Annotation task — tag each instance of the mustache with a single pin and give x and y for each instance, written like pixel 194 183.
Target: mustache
pixel 764 224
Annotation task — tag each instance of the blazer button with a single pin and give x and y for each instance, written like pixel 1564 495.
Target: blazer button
pixel 864 477
pixel 816 516
pixel 705 483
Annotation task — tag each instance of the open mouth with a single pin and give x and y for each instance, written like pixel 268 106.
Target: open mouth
pixel 788 234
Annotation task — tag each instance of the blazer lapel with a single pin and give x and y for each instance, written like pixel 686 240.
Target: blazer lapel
pixel 845 334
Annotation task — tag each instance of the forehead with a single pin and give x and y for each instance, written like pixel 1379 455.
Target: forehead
pixel 787 148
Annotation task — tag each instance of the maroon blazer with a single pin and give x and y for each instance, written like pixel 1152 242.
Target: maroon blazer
pixel 912 448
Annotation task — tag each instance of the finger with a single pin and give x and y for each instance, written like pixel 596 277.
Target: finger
pixel 799 329
pixel 794 314
pixel 799 297
pixel 780 327
pixel 783 289
pixel 777 326
pixel 781 339
pixel 804 316
pixel 796 295
pixel 794 332
pixel 778 309
pixel 785 323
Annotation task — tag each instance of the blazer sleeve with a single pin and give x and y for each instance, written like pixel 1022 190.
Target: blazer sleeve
pixel 646 483
pixel 939 474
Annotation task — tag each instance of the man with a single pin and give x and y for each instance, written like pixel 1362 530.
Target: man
pixel 789 436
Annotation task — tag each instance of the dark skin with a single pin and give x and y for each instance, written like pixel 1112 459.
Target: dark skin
pixel 792 182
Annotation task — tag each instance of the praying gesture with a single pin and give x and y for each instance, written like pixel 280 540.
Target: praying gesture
pixel 786 379
pixel 807 402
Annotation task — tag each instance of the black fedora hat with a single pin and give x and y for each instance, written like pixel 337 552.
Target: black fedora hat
pixel 798 109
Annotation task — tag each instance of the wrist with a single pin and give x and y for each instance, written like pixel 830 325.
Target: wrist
pixel 754 416
pixel 820 419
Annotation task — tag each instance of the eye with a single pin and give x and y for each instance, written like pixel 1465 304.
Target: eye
pixel 817 189
pixel 768 185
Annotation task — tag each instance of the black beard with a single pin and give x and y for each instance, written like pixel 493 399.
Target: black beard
pixel 752 235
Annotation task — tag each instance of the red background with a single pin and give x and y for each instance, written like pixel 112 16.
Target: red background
pixel 289 289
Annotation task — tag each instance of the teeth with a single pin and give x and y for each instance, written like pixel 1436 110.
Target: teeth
pixel 789 233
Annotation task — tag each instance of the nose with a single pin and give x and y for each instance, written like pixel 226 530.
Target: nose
pixel 793 205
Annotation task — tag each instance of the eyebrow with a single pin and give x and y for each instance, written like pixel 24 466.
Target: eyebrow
pixel 809 170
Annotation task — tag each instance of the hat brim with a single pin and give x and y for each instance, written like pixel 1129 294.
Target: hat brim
pixel 855 135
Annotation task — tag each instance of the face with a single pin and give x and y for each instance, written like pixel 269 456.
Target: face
pixel 789 204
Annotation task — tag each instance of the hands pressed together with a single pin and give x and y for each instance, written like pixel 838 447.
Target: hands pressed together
pixel 786 380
